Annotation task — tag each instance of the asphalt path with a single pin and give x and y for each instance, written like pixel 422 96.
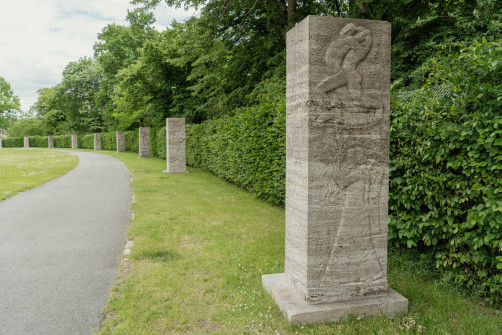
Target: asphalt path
pixel 60 249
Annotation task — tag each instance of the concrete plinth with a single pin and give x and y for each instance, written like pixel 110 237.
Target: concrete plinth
pixel 297 311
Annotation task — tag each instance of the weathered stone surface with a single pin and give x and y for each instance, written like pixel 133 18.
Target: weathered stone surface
pixel 144 142
pixel 97 141
pixel 175 145
pixel 26 142
pixel 74 143
pixel 337 155
pixel 297 311
pixel 0 143
pixel 50 141
pixel 120 141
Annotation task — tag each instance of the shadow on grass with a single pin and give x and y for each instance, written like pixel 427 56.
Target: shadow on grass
pixel 157 255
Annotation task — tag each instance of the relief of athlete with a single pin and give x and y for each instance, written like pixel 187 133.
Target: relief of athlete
pixel 342 58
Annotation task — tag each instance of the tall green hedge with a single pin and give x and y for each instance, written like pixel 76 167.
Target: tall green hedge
pixel 160 143
pixel 131 140
pixel 446 169
pixel 85 141
pixel 109 141
pixel 13 142
pixel 39 141
pixel 247 149
pixel 62 141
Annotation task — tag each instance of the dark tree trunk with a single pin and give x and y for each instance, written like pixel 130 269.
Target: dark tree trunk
pixel 291 12
pixel 364 9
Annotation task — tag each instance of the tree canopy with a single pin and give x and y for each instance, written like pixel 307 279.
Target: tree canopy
pixel 9 103
pixel 232 54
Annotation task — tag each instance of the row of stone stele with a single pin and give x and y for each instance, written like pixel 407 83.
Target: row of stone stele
pixel 337 173
pixel 175 144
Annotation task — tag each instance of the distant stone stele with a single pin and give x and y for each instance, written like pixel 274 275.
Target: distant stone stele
pixel 337 172
pixel 175 145
pixel 120 141
pixel 50 141
pixel 74 142
pixel 144 142
pixel 97 141
pixel 26 142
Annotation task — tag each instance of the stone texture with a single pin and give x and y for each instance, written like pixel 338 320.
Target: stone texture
pixel 337 158
pixel 120 141
pixel 26 142
pixel 144 142
pixel 97 141
pixel 74 143
pixel 50 141
pixel 175 145
pixel 0 143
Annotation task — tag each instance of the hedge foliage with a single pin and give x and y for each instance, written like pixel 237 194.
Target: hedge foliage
pixel 62 141
pixel 85 141
pixel 131 140
pixel 39 141
pixel 248 149
pixel 13 142
pixel 109 141
pixel 446 169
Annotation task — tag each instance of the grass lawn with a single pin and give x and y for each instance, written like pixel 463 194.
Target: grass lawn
pixel 201 246
pixel 22 169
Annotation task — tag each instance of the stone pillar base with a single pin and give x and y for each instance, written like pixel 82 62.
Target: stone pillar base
pixel 297 311
pixel 165 171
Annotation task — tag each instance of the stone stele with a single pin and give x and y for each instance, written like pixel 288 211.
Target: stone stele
pixel 337 172
pixel 175 145
pixel 120 141
pixel 74 143
pixel 144 142
pixel 97 141
pixel 26 142
pixel 50 141
pixel 0 142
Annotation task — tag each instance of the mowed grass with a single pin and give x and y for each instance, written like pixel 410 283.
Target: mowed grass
pixel 201 246
pixel 22 169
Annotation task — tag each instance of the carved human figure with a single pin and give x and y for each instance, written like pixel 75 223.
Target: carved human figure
pixel 360 180
pixel 342 58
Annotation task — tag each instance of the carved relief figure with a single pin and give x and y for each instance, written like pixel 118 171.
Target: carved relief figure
pixel 342 59
pixel 174 156
pixel 360 181
pixel 145 140
pixel 177 138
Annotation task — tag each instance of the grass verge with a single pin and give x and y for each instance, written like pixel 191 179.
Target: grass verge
pixel 201 246
pixel 22 169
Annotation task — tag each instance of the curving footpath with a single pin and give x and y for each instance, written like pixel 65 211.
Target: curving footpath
pixel 60 249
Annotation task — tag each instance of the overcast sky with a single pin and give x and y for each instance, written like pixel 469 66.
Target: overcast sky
pixel 39 37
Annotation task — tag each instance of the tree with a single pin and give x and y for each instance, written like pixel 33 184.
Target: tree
pixel 76 95
pixel 119 46
pixel 9 103
pixel 231 48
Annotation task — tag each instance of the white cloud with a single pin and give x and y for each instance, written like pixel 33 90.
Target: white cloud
pixel 38 38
